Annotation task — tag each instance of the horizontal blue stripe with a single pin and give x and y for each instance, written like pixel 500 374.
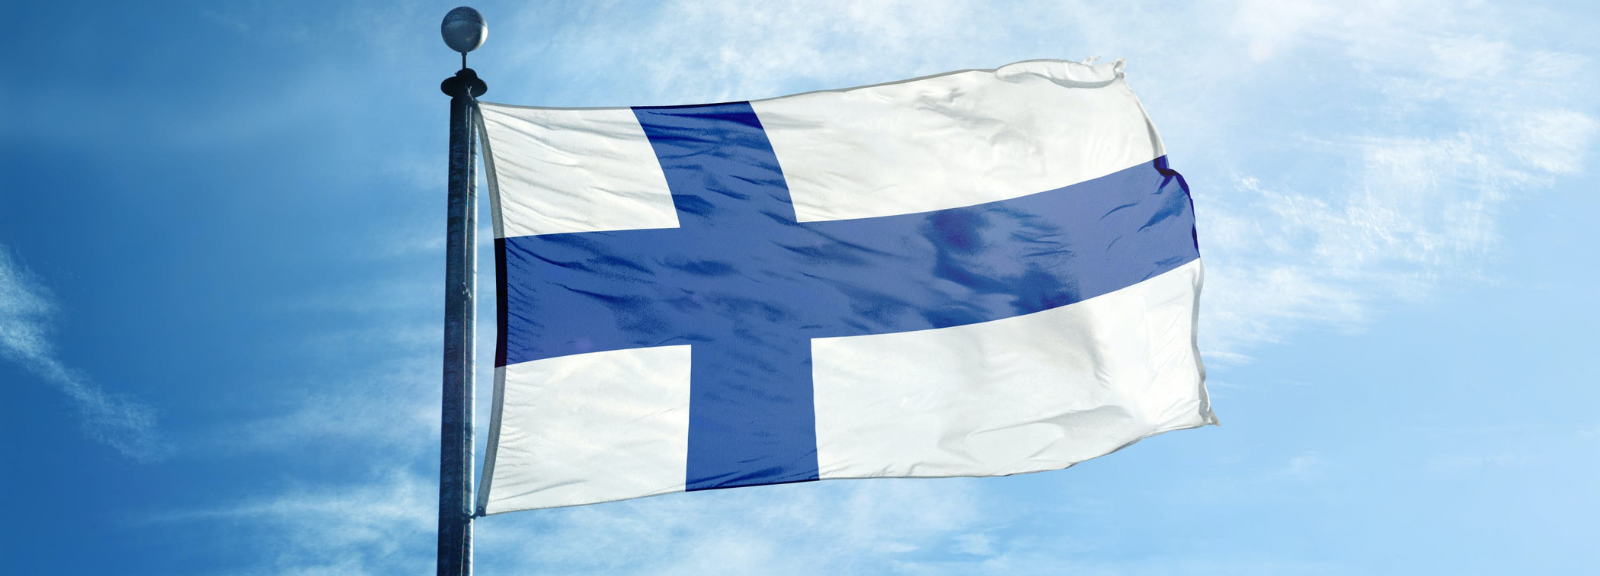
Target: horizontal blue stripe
pixel 749 287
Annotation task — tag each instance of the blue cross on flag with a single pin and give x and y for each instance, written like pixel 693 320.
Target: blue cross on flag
pixel 981 273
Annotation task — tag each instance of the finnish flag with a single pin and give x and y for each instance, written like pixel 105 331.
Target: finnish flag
pixel 980 273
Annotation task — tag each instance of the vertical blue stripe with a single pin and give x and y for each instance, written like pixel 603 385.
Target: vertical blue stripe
pixel 751 416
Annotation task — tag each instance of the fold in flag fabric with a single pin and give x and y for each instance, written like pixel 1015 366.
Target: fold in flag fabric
pixel 980 273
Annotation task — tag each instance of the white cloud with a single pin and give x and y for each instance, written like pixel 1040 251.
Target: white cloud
pixel 689 51
pixel 1272 26
pixel 26 312
pixel 387 405
pixel 975 544
pixel 1414 210
pixel 1472 462
pixel 1444 124
pixel 392 408
pixel 829 527
pixel 385 526
pixel 1304 466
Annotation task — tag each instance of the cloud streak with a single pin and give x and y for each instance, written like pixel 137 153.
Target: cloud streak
pixel 1451 127
pixel 383 526
pixel 26 312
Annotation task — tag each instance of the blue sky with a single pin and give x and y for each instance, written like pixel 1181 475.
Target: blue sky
pixel 221 257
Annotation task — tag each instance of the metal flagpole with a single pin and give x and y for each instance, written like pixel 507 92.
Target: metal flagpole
pixel 464 30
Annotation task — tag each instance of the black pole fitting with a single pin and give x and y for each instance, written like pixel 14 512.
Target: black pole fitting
pixel 464 84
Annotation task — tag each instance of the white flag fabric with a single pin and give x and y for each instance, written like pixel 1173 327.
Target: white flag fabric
pixel 980 273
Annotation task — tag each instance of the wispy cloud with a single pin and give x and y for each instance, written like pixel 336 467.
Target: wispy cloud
pixel 824 528
pixel 386 525
pixel 392 409
pixel 387 404
pixel 1474 462
pixel 26 313
pixel 383 526
pixel 1440 123
pixel 1304 466
pixel 1411 212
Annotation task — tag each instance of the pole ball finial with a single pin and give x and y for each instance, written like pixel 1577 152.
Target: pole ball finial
pixel 464 29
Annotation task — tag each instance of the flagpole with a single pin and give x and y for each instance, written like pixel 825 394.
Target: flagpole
pixel 463 30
